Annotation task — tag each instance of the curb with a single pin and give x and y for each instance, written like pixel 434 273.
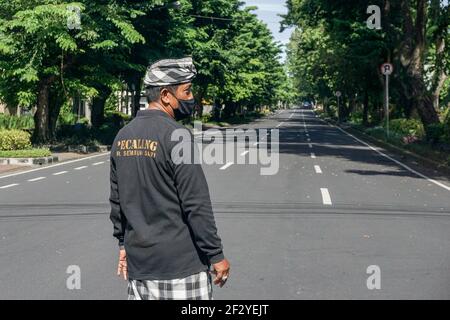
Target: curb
pixel 29 161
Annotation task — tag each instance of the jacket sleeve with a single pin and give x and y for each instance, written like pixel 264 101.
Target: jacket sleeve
pixel 117 217
pixel 195 201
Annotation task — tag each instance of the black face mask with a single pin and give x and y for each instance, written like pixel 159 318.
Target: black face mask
pixel 185 108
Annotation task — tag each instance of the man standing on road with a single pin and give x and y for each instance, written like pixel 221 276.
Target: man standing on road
pixel 161 209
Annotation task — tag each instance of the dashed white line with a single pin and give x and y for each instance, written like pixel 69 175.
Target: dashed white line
pixel 59 173
pixel 80 168
pixel 9 186
pixel 97 163
pixel 229 164
pixel 318 169
pixel 326 198
pixel 54 165
pixel 36 179
pixel 244 153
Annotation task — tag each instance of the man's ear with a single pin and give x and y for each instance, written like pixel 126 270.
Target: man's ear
pixel 164 95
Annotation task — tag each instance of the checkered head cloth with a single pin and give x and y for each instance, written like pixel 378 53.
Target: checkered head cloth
pixel 170 72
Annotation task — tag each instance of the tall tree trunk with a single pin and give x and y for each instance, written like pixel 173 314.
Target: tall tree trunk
pixel 199 107
pixel 439 75
pixel 98 106
pixel 56 100
pixel 365 115
pixel 413 50
pixel 137 97
pixel 41 132
pixel 424 102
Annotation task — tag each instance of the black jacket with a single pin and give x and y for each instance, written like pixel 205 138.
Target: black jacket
pixel 161 210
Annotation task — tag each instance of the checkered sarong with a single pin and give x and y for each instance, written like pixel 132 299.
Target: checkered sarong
pixel 195 287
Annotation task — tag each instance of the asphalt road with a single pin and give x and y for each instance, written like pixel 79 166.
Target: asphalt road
pixel 335 207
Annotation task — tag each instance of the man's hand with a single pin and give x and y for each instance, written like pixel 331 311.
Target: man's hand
pixel 122 267
pixel 221 270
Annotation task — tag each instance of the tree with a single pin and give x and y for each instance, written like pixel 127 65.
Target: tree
pixel 333 48
pixel 38 50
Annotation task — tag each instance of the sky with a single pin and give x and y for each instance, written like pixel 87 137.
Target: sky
pixel 268 11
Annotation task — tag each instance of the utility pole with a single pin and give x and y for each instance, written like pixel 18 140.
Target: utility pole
pixel 387 69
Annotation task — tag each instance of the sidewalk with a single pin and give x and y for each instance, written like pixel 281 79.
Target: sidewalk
pixel 62 157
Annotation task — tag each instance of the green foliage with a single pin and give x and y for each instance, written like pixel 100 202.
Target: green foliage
pixel 66 115
pixel 236 55
pixel 16 122
pixel 332 49
pixel 28 153
pixel 436 133
pixel 407 127
pixel 14 140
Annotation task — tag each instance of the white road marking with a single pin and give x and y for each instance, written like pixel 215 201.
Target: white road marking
pixel 59 173
pixel 396 161
pixel 9 186
pixel 310 145
pixel 256 143
pixel 80 168
pixel 280 124
pixel 326 196
pixel 244 153
pixel 36 179
pixel 229 164
pixel 309 139
pixel 54 165
pixel 318 170
pixel 313 155
pixel 97 163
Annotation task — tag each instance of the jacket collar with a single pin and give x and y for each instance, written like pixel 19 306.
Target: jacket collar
pixel 151 113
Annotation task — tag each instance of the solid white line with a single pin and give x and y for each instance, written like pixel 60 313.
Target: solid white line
pixel 396 161
pixel 313 155
pixel 97 163
pixel 229 164
pixel 244 153
pixel 59 173
pixel 80 168
pixel 317 168
pixel 9 186
pixel 36 179
pixel 54 165
pixel 326 196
